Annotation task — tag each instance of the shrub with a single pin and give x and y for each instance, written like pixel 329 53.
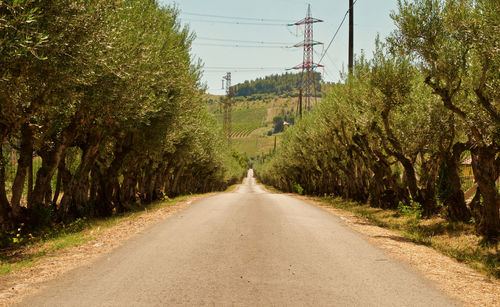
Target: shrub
pixel 412 210
pixel 298 189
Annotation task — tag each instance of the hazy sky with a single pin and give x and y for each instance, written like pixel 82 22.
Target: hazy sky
pixel 216 45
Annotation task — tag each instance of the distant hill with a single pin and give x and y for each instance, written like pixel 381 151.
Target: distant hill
pixel 285 85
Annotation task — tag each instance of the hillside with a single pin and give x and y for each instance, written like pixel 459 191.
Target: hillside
pixel 252 122
pixel 285 85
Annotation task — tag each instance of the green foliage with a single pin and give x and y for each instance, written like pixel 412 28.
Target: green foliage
pixel 242 159
pixel 114 113
pixel 412 210
pixel 41 215
pixel 298 189
pixel 278 124
pixel 382 134
pixel 5 268
pixel 455 44
pixel 285 85
pixel 21 37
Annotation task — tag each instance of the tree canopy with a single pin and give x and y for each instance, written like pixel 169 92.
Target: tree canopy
pixel 106 95
pixel 287 84
pixel 396 130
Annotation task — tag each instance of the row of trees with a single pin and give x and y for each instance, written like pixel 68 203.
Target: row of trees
pixel 287 84
pixel 106 94
pixel 396 130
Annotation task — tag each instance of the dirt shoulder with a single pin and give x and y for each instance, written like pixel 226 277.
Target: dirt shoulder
pixel 458 280
pixel 98 241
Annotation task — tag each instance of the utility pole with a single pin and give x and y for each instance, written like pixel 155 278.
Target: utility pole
pixel 308 66
pixel 227 107
pixel 300 104
pixel 351 36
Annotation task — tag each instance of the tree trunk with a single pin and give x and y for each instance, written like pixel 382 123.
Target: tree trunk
pixel 179 173
pixel 147 186
pixel 50 162
pixel 376 187
pixel 60 170
pixel 75 195
pixel 25 159
pixel 4 202
pixel 158 183
pixel 109 187
pixel 127 191
pixel 93 190
pixel 455 204
pixel 30 181
pixel 428 176
pixel 476 208
pixel 485 167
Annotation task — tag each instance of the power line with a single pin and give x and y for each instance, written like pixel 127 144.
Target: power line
pixel 219 70
pixel 232 67
pixel 238 22
pixel 332 62
pixel 242 41
pixel 244 71
pixel 242 46
pixel 234 17
pixel 336 32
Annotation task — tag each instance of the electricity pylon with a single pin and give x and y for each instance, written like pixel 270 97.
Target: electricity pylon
pixel 308 66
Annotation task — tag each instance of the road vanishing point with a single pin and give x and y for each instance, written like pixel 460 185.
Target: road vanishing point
pixel 246 248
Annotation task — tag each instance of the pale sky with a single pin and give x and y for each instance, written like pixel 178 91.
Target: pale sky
pixel 218 37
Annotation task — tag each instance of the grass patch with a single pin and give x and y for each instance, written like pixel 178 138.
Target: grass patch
pixel 5 268
pixel 69 241
pixel 247 120
pixel 27 256
pixel 270 188
pixel 454 239
pixel 251 121
pixel 232 188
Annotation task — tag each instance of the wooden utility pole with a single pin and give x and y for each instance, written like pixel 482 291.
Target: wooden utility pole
pixel 351 35
pixel 300 103
pixel 227 106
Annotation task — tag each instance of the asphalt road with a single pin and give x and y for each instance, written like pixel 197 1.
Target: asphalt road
pixel 247 248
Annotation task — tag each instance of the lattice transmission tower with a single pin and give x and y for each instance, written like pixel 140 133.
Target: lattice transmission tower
pixel 308 66
pixel 227 106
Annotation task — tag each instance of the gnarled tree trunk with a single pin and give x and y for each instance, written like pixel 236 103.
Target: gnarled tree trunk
pixel 455 204
pixel 76 190
pixel 4 202
pixel 25 159
pixel 485 166
pixel 50 162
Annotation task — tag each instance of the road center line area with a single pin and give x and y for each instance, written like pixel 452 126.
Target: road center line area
pixel 246 248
